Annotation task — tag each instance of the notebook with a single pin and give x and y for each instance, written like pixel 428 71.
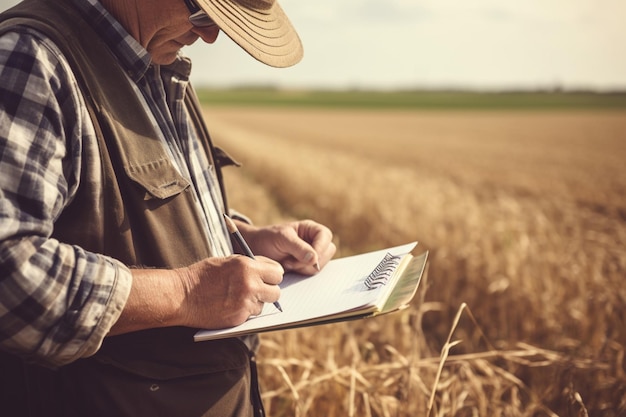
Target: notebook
pixel 353 287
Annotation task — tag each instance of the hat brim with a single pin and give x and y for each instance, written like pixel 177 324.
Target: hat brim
pixel 266 34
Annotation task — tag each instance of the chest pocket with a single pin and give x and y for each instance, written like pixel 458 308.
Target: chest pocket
pixel 159 178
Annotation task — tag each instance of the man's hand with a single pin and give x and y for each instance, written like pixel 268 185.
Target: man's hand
pixel 225 292
pixel 213 293
pixel 303 246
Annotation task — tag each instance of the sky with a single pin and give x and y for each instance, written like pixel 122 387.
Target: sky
pixel 472 44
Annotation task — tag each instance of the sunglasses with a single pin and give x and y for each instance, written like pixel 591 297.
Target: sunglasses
pixel 198 17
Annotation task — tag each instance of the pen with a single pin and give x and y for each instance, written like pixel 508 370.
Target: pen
pixel 234 232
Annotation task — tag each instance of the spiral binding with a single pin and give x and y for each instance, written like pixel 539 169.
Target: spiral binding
pixel 383 271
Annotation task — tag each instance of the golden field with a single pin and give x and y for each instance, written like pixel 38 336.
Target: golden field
pixel 523 312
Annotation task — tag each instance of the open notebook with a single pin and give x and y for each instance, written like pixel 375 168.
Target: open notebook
pixel 347 288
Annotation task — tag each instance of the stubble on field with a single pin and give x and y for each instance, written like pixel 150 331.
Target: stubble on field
pixel 525 217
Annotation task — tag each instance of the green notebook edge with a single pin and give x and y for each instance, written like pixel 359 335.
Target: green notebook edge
pixel 407 285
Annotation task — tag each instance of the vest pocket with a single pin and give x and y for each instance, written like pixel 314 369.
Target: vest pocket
pixel 159 178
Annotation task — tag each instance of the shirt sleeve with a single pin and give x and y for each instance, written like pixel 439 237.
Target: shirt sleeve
pixel 57 301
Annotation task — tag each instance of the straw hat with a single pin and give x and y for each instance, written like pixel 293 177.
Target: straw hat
pixel 260 27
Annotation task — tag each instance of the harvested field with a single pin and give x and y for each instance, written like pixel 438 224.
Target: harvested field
pixel 524 309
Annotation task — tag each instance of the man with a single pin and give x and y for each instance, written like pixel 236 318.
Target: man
pixel 113 248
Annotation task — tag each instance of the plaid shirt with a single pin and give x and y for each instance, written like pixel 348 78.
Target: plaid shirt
pixel 58 302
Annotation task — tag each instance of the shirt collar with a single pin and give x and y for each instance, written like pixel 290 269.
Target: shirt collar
pixel 133 57
pixel 181 67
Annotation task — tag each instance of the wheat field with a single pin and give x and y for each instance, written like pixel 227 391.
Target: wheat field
pixel 523 310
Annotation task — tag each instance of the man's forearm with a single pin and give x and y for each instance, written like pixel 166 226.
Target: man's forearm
pixel 156 300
